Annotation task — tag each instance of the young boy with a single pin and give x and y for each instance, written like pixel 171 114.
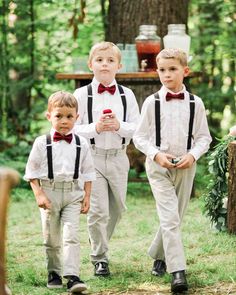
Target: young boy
pixel 109 134
pixel 173 133
pixel 60 170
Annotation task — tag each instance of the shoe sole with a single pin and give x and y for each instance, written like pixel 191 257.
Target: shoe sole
pixel 102 275
pixel 54 286
pixel 78 288
pixel 154 273
pixel 179 288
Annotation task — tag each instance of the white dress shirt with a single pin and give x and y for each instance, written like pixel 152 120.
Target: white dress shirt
pixel 108 139
pixel 174 126
pixel 63 160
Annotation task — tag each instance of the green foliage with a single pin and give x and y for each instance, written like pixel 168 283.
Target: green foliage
pixel 217 187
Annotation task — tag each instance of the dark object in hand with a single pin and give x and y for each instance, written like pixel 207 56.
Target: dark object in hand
pixel 175 161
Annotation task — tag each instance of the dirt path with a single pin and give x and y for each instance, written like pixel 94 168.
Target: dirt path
pixel 219 289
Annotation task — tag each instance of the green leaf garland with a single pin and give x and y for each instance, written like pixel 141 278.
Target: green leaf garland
pixel 217 189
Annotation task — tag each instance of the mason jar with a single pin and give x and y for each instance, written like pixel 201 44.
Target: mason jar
pixel 148 45
pixel 177 38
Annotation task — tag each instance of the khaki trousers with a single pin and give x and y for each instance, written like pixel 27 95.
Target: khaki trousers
pixel 107 199
pixel 63 215
pixel 171 189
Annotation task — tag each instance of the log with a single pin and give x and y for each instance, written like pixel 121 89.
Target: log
pixel 231 207
pixel 8 179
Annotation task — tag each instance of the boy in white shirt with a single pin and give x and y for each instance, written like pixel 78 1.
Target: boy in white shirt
pixel 109 134
pixel 60 170
pixel 173 133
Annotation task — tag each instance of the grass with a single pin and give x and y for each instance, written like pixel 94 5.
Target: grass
pixel 211 256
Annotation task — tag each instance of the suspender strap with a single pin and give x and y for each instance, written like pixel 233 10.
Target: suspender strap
pixel 123 98
pixel 190 128
pixel 49 156
pixel 90 106
pixel 157 119
pixel 78 149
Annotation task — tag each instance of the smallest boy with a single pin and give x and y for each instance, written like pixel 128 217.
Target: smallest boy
pixel 173 133
pixel 60 170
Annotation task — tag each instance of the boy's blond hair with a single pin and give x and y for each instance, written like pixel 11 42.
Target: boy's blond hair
pixel 104 46
pixel 61 99
pixel 174 53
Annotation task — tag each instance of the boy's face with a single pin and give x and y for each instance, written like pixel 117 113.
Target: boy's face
pixel 172 73
pixel 62 119
pixel 105 64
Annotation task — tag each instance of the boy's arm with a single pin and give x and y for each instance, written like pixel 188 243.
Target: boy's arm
pixel 127 129
pixel 40 196
pixel 85 129
pixel 86 200
pixel 201 135
pixel 142 135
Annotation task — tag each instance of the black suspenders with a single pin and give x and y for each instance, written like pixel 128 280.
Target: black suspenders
pixel 158 120
pixel 90 105
pixel 49 157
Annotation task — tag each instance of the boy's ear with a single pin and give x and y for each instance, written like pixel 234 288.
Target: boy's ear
pixel 77 116
pixel 48 116
pixel 90 66
pixel 186 71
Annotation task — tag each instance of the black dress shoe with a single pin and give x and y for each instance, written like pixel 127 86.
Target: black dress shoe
pixel 101 269
pixel 179 282
pixel 159 268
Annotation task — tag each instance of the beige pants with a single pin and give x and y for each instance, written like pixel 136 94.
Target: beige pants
pixel 171 189
pixel 107 199
pixel 63 216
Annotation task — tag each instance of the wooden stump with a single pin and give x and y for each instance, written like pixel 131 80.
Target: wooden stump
pixel 8 178
pixel 231 208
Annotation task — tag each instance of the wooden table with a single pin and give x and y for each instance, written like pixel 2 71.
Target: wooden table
pixel 136 78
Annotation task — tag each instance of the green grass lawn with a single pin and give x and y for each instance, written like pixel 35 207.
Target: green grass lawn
pixel 211 256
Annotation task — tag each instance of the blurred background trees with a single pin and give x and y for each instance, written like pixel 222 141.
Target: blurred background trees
pixel 40 38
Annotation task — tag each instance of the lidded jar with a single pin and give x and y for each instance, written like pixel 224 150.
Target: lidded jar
pixel 177 38
pixel 148 45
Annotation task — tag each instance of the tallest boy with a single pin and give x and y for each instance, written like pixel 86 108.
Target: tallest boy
pixel 109 134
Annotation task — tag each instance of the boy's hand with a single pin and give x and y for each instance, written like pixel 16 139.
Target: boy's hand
pixel 85 205
pixel 185 162
pixel 164 160
pixel 107 122
pixel 43 201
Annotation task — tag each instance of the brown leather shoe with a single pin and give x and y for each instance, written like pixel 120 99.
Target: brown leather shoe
pixel 179 282
pixel 159 268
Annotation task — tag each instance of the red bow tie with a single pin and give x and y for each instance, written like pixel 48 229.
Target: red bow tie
pixel 110 89
pixel 170 96
pixel 57 137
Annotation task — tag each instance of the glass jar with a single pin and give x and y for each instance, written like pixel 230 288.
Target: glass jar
pixel 177 38
pixel 148 45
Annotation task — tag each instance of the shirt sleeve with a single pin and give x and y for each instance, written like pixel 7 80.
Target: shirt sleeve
pixel 128 128
pixel 34 163
pixel 87 164
pixel 202 137
pixel 142 134
pixel 84 129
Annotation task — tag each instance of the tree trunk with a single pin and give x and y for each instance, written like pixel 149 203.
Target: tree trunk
pixel 125 17
pixel 231 209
